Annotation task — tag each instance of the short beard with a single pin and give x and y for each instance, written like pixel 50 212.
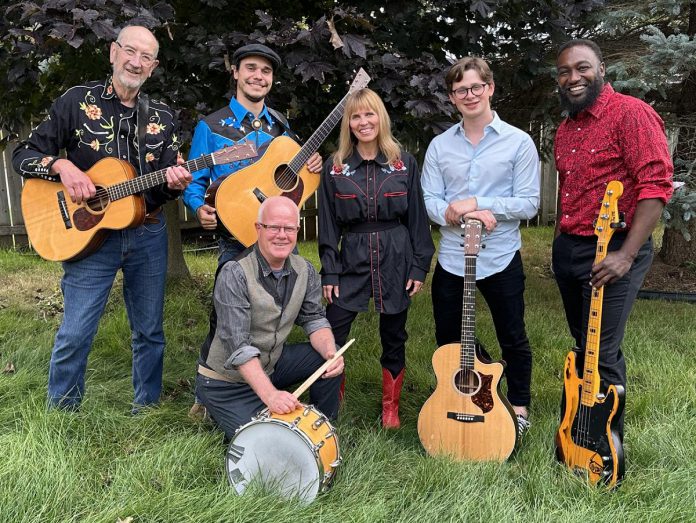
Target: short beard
pixel 573 108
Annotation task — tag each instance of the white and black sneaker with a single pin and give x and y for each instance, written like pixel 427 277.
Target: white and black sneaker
pixel 523 425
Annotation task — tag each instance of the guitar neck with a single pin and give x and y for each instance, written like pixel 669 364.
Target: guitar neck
pixel 468 343
pixel 591 380
pixel 312 145
pixel 148 181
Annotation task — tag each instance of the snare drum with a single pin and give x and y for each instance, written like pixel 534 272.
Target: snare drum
pixel 294 454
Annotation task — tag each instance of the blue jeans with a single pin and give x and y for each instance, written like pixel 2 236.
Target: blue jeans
pixel 141 253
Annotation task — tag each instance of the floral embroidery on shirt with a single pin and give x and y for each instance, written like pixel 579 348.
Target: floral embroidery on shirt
pixel 46 160
pixel 342 170
pixel 155 128
pixel 398 165
pixel 149 157
pixel 92 111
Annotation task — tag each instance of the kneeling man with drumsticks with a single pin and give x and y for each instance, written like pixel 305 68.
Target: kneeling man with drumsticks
pixel 245 363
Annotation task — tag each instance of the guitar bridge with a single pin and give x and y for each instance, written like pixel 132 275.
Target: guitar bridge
pixel 465 418
pixel 63 209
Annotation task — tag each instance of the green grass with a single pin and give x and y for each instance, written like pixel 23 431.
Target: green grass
pixel 101 464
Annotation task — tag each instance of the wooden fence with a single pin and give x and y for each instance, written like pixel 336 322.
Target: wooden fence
pixel 13 234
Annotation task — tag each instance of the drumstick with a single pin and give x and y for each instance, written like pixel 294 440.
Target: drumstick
pixel 314 377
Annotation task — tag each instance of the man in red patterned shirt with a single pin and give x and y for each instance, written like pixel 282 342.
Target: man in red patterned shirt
pixel 606 136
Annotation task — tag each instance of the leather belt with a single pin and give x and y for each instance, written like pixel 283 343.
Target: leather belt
pixel 210 373
pixel 151 217
pixel 372 226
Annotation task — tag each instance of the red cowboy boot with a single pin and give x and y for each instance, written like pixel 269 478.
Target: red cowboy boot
pixel 342 389
pixel 391 392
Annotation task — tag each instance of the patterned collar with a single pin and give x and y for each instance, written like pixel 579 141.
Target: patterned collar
pixel 109 91
pixel 240 112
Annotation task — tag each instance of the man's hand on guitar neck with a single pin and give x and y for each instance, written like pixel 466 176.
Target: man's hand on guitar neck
pixel 178 177
pixel 314 163
pixel 78 184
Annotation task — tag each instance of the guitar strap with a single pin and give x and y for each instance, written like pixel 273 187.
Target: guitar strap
pixel 143 108
pixel 280 117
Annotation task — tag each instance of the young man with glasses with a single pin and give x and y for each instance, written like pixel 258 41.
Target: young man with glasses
pixel 486 169
pixel 92 121
pixel 245 363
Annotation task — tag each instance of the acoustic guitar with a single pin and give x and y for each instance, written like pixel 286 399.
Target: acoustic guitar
pixel 61 230
pixel 281 170
pixel 587 440
pixel 467 417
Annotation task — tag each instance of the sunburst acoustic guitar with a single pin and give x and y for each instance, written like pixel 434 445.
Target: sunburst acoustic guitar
pixel 587 440
pixel 467 417
pixel 281 170
pixel 61 230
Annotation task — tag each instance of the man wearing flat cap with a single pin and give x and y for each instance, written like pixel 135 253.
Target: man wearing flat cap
pixel 246 118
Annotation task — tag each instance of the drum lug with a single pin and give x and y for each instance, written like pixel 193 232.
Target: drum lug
pixel 319 422
pixel 296 421
pixel 307 410
pixel 317 447
pixel 330 434
pixel 337 463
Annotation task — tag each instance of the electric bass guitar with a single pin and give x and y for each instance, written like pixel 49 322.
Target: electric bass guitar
pixel 61 230
pixel 587 440
pixel 467 417
pixel 281 170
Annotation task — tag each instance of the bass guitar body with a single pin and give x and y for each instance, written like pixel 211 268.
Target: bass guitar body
pixel 467 417
pixel 237 197
pixel 587 440
pixel 61 230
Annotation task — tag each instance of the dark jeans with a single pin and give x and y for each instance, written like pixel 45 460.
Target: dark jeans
pixel 573 257
pixel 392 332
pixel 504 294
pixel 232 405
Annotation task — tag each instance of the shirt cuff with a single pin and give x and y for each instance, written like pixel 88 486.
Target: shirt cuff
pixel 329 279
pixel 314 325
pixel 417 274
pixel 654 192
pixel 242 355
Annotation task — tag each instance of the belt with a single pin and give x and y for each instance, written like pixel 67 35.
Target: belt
pixel 151 217
pixel 372 226
pixel 210 373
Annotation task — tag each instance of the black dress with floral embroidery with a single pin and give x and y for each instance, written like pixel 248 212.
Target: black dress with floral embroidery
pixel 375 211
pixel 90 123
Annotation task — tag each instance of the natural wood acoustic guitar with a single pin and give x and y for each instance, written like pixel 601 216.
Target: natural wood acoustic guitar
pixel 467 417
pixel 280 170
pixel 587 440
pixel 61 230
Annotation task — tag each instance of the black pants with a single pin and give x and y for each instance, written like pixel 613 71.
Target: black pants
pixel 504 294
pixel 392 332
pixel 231 405
pixel 573 257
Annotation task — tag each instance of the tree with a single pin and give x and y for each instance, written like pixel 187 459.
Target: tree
pixel 404 46
pixel 650 48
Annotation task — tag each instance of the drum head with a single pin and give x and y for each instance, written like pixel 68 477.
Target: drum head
pixel 277 457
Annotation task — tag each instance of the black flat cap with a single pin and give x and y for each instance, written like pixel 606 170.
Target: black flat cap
pixel 256 50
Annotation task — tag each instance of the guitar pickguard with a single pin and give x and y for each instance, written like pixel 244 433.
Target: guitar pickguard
pixel 85 220
pixel 483 399
pixel 296 194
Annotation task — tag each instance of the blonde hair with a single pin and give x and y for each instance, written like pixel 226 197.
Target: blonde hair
pixel 366 99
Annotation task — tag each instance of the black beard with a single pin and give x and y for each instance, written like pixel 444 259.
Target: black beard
pixel 573 108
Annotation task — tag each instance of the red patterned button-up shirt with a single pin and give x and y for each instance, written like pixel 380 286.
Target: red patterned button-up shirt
pixel 618 138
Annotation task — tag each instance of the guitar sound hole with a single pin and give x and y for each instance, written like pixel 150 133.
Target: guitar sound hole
pixel 285 178
pixel 99 202
pixel 467 381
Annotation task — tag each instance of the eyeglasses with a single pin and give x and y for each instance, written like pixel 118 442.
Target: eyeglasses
pixel 145 59
pixel 462 92
pixel 275 229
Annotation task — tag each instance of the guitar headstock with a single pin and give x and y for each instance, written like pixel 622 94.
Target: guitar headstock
pixel 360 81
pixel 234 153
pixel 609 218
pixel 472 237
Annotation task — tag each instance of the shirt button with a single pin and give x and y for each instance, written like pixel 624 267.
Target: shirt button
pixel 572 151
pixel 124 156
pixel 578 128
pixel 123 136
pixel 567 172
pixel 567 194
pixel 567 216
pixel 591 150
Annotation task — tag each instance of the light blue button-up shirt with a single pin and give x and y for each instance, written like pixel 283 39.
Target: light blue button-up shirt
pixel 502 172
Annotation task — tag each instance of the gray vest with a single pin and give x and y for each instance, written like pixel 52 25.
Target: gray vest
pixel 271 322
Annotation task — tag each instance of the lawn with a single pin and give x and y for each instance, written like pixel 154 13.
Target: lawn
pixel 101 464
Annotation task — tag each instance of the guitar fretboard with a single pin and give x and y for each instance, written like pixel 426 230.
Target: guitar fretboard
pixel 153 179
pixel 468 343
pixel 590 376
